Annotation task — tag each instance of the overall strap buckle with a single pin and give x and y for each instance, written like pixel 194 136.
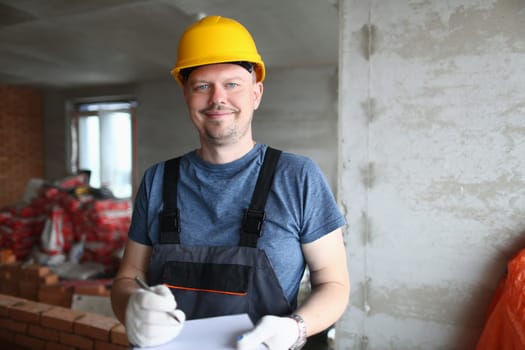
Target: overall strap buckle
pixel 254 216
pixel 252 222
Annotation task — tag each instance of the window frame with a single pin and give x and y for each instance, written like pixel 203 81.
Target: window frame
pixel 75 116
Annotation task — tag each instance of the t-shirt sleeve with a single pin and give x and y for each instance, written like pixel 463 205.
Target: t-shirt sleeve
pixel 310 209
pixel 140 223
pixel 321 212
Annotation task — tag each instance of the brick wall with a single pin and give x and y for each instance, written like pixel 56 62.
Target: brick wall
pixel 32 325
pixel 21 140
pixel 35 314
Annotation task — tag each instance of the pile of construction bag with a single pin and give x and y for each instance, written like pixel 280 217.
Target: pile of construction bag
pixel 66 221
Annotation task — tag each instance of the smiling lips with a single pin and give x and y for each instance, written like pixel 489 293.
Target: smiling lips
pixel 218 111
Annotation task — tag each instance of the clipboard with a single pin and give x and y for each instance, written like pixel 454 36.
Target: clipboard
pixel 214 333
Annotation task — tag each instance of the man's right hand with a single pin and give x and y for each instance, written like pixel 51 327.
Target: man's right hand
pixel 152 318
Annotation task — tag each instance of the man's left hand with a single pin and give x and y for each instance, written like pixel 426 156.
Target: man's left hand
pixel 277 333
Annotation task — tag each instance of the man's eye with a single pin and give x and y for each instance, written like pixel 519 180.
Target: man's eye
pixel 231 85
pixel 201 87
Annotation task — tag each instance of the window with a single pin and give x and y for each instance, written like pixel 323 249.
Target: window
pixel 103 144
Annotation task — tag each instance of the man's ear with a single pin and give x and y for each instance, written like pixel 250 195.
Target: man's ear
pixel 258 92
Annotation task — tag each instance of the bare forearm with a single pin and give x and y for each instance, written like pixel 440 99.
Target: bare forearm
pixel 330 282
pixel 324 306
pixel 134 263
pixel 121 290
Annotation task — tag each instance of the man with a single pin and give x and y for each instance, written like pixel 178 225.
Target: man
pixel 210 238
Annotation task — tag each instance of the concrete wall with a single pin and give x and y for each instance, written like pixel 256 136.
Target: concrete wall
pixel 432 166
pixel 56 135
pixel 163 128
pixel 299 114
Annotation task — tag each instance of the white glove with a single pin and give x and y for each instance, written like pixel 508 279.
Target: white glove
pixel 151 317
pixel 277 333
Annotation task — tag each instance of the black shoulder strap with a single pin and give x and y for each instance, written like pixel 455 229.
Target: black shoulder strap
pixel 251 228
pixel 170 216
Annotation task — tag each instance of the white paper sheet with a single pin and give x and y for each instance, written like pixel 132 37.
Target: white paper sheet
pixel 215 333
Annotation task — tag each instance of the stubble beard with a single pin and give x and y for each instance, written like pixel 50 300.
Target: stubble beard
pixel 231 135
pixel 221 137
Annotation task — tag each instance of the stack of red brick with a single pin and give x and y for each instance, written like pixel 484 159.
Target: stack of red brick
pixel 7 256
pixel 35 312
pixel 39 283
pixel 27 324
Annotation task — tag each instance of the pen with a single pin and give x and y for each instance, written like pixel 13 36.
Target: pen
pixel 145 286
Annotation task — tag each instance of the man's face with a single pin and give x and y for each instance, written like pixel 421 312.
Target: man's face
pixel 221 99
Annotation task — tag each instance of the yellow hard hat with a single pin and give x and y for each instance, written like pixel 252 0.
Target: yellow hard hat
pixel 216 39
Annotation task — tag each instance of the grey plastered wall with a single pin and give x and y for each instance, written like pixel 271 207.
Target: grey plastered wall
pixel 299 114
pixel 432 166
pixel 164 129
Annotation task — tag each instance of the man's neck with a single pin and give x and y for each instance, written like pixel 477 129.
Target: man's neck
pixel 225 153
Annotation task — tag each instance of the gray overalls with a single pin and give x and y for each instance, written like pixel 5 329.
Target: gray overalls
pixel 212 281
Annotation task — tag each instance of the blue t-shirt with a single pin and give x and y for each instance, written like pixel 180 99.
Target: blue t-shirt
pixel 212 198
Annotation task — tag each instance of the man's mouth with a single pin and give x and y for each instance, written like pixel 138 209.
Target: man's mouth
pixel 217 112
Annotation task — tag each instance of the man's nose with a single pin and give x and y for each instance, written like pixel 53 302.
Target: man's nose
pixel 218 95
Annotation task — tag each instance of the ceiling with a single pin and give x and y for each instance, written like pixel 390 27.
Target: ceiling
pixel 72 43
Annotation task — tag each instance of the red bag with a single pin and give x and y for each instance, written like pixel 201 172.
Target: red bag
pixel 505 324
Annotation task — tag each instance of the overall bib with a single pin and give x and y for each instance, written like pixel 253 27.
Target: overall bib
pixel 210 281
